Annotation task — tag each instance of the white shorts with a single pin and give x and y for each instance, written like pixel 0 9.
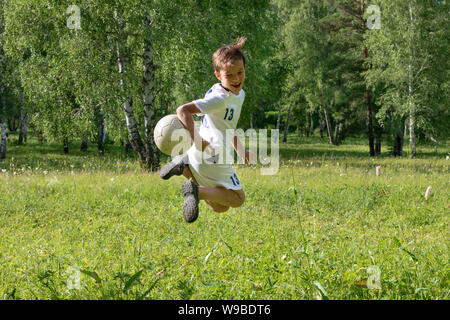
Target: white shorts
pixel 210 174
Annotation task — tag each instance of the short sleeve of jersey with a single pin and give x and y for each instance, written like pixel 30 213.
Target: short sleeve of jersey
pixel 212 101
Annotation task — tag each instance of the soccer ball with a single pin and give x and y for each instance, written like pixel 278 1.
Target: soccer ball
pixel 171 137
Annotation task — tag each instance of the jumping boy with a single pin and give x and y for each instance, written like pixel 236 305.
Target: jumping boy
pixel 215 183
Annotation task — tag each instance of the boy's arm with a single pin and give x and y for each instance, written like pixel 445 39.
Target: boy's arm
pixel 184 113
pixel 248 156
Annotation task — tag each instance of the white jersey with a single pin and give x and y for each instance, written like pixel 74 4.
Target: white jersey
pixel 221 110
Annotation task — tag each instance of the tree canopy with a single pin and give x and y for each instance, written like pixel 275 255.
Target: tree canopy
pixel 116 67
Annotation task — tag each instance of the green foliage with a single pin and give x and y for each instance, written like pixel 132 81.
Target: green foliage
pixel 302 55
pixel 68 73
pixel 409 64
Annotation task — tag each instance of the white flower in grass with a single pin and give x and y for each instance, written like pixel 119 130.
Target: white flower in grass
pixel 428 193
pixel 378 171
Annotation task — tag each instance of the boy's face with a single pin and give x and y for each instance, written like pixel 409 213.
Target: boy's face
pixel 232 77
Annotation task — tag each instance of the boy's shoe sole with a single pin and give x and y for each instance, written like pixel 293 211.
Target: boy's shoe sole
pixel 174 167
pixel 190 206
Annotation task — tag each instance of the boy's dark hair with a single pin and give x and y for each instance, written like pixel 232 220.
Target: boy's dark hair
pixel 229 54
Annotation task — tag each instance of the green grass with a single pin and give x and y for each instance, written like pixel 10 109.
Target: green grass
pixel 124 228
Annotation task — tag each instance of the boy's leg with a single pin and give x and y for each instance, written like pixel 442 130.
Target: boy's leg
pixel 233 198
pixel 188 174
pixel 174 167
pixel 222 196
pixel 216 207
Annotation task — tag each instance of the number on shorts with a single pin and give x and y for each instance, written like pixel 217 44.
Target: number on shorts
pixel 235 180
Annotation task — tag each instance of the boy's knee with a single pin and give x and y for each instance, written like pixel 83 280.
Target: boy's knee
pixel 217 207
pixel 220 209
pixel 240 198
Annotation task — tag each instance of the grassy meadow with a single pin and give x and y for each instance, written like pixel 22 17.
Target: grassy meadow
pixel 324 227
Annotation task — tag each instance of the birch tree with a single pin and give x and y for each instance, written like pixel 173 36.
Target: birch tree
pixel 3 62
pixel 408 64
pixel 309 50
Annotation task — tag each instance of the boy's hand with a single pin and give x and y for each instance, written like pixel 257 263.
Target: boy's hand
pixel 184 113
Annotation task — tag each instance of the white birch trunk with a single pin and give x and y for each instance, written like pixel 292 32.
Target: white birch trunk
pixel 279 117
pixel 3 125
pixel 286 129
pixel 104 132
pixel 148 95
pixel 101 132
pixel 133 132
pixel 321 122
pixel 327 120
pixel 412 135
pixel 2 107
pixel 23 120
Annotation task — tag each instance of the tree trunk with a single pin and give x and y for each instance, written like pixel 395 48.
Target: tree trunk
pixel 286 129
pixel 279 117
pixel 101 130
pixel 398 133
pixel 398 151
pixel 151 151
pixel 13 124
pixel 369 124
pixel 2 108
pixel 412 116
pixel 133 132
pixel 337 133
pixel 327 120
pixel 378 144
pixel 321 123
pixel 128 146
pixel 84 143
pixel 66 146
pixel 23 120
pixel 412 120
pixel 307 124
pixel 3 126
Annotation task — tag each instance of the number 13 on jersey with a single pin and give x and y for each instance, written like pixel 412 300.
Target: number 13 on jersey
pixel 229 113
